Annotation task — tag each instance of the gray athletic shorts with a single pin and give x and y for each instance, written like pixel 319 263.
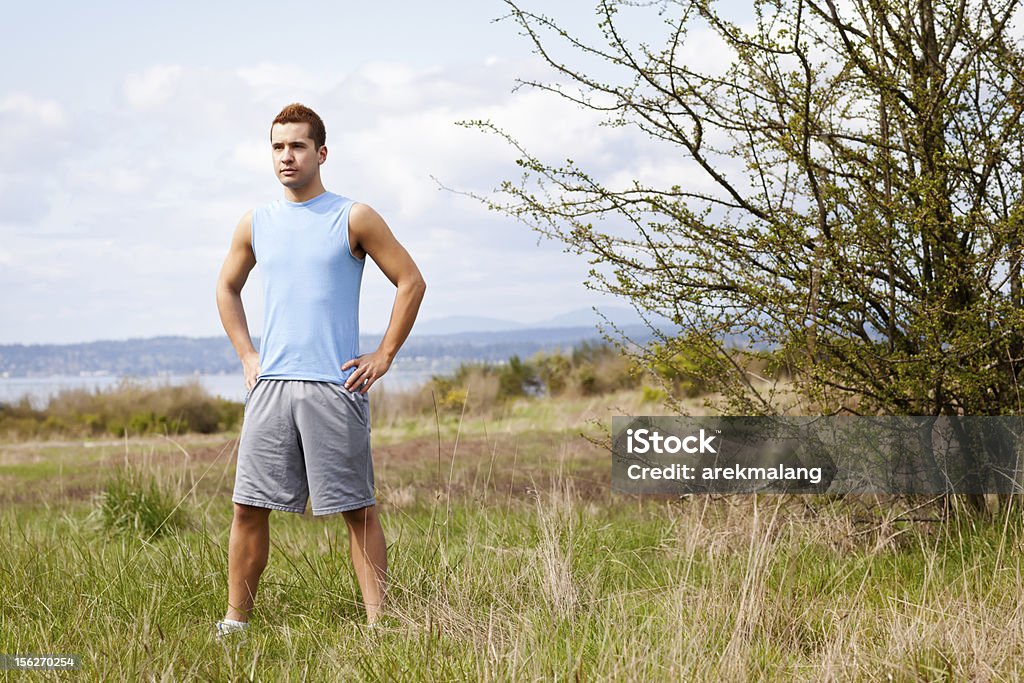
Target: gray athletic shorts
pixel 302 438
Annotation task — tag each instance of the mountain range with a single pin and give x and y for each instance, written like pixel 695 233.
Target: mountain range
pixel 581 317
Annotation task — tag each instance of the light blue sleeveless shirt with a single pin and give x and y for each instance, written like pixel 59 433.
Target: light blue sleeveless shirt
pixel 311 286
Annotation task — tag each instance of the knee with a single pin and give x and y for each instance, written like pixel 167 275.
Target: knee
pixel 361 517
pixel 249 515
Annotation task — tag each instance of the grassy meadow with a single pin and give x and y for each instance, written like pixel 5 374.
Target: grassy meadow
pixel 510 559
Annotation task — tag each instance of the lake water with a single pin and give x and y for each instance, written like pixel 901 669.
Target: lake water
pixel 232 387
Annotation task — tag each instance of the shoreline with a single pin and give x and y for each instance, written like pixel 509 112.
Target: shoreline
pixel 40 390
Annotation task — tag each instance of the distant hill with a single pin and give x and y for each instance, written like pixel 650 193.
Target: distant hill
pixel 454 324
pixel 214 355
pixel 623 317
pixel 581 317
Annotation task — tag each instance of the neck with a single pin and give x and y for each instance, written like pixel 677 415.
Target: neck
pixel 304 194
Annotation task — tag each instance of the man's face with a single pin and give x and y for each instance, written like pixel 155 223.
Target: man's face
pixel 296 161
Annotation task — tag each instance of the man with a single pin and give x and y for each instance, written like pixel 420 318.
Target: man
pixel 306 427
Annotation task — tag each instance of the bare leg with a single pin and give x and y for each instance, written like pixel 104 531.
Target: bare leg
pixel 248 547
pixel 369 558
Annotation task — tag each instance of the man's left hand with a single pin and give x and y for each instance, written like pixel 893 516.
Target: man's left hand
pixel 369 368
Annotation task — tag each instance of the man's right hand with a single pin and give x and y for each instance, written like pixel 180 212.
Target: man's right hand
pixel 251 369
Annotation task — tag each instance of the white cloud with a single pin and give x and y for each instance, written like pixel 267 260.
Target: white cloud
pixel 44 112
pixel 152 87
pixel 34 132
pixel 270 79
pixel 253 156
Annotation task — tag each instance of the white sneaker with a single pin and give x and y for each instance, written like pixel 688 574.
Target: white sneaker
pixel 226 628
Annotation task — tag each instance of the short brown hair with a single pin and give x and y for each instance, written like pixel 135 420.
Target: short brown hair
pixel 300 113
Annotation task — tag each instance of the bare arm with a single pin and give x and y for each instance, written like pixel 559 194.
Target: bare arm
pixel 370 234
pixel 233 274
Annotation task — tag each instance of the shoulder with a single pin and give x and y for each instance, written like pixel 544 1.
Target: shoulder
pixel 243 231
pixel 245 222
pixel 362 217
pixel 367 231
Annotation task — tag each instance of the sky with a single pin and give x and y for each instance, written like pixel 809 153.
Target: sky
pixel 134 136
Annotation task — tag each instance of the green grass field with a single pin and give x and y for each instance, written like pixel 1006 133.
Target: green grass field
pixel 510 558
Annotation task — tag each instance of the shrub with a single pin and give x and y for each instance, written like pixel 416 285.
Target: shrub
pixel 137 505
pixel 584 379
pixel 553 370
pixel 453 400
pixel 678 368
pixel 129 407
pixel 518 378
pixel 652 395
